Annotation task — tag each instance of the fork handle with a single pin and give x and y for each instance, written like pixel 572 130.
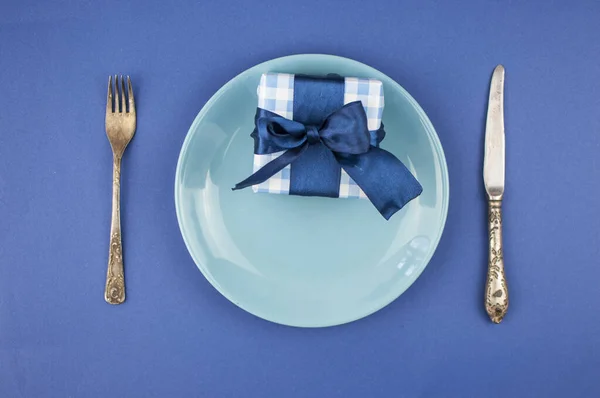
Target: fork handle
pixel 496 291
pixel 115 279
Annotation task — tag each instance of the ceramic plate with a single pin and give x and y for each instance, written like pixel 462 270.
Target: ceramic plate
pixel 305 261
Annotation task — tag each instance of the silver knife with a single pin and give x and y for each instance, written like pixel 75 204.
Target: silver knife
pixel 496 291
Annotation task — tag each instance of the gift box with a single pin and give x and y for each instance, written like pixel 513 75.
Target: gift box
pixel 276 94
pixel 320 136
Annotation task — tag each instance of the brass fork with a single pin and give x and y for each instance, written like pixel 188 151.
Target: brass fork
pixel 120 128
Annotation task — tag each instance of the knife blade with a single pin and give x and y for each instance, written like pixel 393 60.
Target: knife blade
pixel 493 163
pixel 496 291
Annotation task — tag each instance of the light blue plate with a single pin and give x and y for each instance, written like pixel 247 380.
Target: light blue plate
pixel 305 261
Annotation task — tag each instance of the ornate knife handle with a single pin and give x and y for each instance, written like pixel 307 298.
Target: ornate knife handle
pixel 496 291
pixel 115 279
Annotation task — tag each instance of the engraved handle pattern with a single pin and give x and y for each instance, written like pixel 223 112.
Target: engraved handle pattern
pixel 496 291
pixel 114 292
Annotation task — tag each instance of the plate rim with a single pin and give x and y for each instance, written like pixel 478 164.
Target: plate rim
pixel 430 130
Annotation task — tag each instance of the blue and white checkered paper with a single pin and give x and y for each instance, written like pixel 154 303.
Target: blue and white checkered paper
pixel 276 94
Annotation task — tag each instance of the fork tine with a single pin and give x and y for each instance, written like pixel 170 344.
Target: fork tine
pixel 130 96
pixel 109 97
pixel 116 94
pixel 123 106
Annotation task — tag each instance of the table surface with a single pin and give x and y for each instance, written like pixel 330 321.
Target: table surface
pixel 176 336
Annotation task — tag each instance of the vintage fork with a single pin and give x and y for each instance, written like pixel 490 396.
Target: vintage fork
pixel 120 128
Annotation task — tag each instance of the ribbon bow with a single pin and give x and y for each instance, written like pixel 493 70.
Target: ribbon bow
pixel 344 132
pixel 382 177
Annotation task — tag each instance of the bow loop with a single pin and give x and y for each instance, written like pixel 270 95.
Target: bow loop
pixel 277 133
pixel 346 131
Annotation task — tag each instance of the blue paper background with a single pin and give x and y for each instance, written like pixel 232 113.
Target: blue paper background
pixel 176 336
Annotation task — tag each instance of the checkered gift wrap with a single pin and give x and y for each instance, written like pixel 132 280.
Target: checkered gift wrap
pixel 276 94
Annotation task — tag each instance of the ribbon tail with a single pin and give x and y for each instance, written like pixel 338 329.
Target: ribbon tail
pixel 388 184
pixel 271 168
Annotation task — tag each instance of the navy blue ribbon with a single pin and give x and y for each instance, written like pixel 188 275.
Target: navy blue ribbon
pixel 318 147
